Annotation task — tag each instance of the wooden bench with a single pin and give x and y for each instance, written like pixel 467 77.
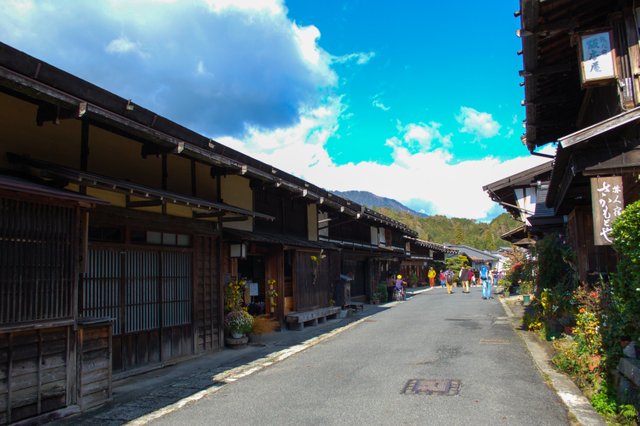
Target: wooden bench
pixel 297 320
pixel 356 306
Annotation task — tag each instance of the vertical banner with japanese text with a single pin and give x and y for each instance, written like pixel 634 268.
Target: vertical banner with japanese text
pixel 607 203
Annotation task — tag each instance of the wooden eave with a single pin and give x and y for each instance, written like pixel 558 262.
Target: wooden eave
pixel 20 188
pixel 431 245
pixel 503 191
pixel 605 152
pixel 524 178
pixel 604 126
pixel 43 83
pixel 152 196
pixel 553 95
pixel 515 234
pixel 276 239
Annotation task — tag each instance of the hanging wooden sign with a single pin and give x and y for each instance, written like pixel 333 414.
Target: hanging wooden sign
pixel 597 58
pixel 607 204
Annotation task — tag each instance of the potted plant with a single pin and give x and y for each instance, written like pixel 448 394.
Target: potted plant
pixel 238 323
pixel 375 298
pixel 526 287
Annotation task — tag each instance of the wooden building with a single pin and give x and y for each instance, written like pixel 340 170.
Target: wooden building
pixel 581 65
pixel 422 256
pixel 120 228
pixel 371 245
pixel 523 195
pixel 110 235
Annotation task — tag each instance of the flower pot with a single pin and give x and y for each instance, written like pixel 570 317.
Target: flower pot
pixel 236 343
pixel 236 335
pixel 526 299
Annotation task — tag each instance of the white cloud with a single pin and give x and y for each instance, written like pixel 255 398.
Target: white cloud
pixel 480 124
pixel 274 7
pixel 420 137
pixel 418 177
pixel 376 102
pixel 360 58
pixel 124 45
pixel 253 66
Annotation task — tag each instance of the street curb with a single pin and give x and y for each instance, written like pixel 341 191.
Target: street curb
pixel 577 404
pixel 237 373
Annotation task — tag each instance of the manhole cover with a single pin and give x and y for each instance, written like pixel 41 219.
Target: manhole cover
pixel 432 387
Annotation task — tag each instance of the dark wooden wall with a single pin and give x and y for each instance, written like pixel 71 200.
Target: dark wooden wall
pixel 311 293
pixel 590 258
pixel 207 293
pixel 35 372
pixel 94 363
pixel 290 212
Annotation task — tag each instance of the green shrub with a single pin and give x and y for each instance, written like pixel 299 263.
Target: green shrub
pixel 382 291
pixel 625 309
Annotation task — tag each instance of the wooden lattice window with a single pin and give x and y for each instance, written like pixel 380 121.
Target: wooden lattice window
pixel 139 290
pixel 38 254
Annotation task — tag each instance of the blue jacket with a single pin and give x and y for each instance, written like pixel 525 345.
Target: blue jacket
pixel 484 272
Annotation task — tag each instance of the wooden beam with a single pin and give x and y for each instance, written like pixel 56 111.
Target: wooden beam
pixel 547 70
pixel 208 215
pixel 600 127
pixel 624 163
pixel 52 113
pixel 234 219
pixel 140 204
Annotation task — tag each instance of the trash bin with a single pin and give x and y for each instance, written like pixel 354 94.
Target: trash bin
pixel 526 299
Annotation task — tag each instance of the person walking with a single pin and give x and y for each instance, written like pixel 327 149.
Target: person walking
pixel 449 277
pixel 432 277
pixel 486 281
pixel 443 278
pixel 464 278
pixel 390 286
pixel 399 288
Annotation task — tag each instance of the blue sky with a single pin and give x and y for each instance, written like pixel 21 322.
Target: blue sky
pixel 415 101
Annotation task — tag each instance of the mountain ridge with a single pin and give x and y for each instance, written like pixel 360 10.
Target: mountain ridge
pixel 374 201
pixel 437 228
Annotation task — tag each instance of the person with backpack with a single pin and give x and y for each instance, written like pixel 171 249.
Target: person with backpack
pixel 449 277
pixel 486 281
pixel 464 278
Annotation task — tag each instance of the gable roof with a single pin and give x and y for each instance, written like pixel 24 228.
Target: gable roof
pixel 474 254
pixel 502 191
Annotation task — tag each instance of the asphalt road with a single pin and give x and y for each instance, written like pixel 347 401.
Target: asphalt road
pixel 459 347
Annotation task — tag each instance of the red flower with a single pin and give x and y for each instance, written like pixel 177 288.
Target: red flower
pixel 594 294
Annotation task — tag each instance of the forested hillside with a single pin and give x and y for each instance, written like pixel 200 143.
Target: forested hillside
pixel 444 230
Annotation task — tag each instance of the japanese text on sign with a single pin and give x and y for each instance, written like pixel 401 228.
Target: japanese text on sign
pixel 597 57
pixel 607 203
